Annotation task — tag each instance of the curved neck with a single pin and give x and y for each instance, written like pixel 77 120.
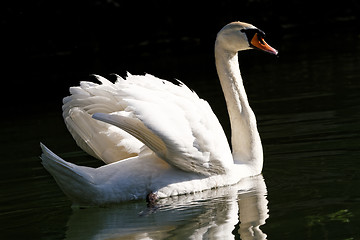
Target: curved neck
pixel 245 139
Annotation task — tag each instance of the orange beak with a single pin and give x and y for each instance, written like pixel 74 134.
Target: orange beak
pixel 259 43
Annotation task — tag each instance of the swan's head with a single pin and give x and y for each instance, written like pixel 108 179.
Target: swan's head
pixel 239 36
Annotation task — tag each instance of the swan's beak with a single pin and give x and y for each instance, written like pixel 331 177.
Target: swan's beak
pixel 259 43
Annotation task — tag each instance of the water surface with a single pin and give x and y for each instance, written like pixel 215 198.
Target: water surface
pixel 308 109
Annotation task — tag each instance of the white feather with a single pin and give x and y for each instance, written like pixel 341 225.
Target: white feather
pixel 98 139
pixel 157 136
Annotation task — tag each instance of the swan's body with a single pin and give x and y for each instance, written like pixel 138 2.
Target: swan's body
pixel 159 137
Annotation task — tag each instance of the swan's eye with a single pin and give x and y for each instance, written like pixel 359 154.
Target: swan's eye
pixel 254 33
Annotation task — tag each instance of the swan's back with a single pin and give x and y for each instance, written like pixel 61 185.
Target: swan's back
pixel 169 119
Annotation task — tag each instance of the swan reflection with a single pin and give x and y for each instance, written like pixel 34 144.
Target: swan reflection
pixel 214 214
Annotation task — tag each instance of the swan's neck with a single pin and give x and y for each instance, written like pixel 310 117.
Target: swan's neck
pixel 246 143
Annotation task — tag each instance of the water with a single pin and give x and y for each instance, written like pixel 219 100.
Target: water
pixel 308 109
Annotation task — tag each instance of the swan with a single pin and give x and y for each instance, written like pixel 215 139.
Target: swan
pixel 160 138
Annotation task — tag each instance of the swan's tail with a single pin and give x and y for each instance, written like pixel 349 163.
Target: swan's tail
pixel 77 182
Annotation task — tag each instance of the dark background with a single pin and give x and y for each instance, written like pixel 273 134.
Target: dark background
pixel 47 46
pixel 306 100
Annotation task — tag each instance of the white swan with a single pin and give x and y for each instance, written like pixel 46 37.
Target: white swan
pixel 158 137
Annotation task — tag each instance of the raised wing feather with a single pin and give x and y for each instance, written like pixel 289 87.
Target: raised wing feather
pixel 101 140
pixel 173 122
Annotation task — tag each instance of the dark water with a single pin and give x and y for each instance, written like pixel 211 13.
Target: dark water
pixel 308 111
